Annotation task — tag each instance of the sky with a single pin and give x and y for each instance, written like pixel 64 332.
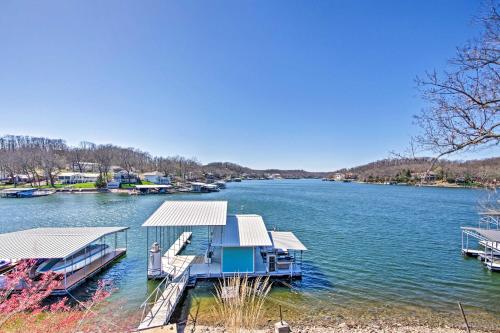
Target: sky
pixel 314 85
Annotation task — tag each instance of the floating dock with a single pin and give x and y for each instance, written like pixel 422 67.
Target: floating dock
pixel 488 246
pixel 64 245
pixel 236 245
pixel 80 276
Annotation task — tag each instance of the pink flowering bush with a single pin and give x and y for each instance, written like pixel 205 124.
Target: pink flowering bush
pixel 22 307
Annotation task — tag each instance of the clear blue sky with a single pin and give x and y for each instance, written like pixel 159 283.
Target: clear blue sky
pixel 317 85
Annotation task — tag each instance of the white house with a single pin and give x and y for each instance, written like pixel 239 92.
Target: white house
pixel 339 176
pixel 156 177
pixel 77 177
pixel 123 176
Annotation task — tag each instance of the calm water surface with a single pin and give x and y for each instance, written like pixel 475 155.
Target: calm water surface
pixel 368 244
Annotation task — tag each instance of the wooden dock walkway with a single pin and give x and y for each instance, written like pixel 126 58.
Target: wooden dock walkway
pixel 164 299
pixel 178 245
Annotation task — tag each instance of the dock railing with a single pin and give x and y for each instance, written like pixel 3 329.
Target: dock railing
pixel 157 296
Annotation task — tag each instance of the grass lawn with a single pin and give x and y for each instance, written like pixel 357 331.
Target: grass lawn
pixel 127 185
pixel 83 185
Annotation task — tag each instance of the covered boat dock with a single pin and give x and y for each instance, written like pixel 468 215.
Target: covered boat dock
pixel 235 244
pixel 152 189
pixel 79 252
pixel 487 248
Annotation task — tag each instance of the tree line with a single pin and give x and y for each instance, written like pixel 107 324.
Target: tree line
pixel 403 169
pixel 41 159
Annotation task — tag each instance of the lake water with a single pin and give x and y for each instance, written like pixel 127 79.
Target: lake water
pixel 372 249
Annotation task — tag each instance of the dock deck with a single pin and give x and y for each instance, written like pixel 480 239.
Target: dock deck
pixel 88 271
pixel 165 304
pixel 80 276
pixel 175 273
pixel 178 245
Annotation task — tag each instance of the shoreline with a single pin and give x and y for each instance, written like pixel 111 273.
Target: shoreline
pixel 69 190
pixel 441 185
pixel 343 327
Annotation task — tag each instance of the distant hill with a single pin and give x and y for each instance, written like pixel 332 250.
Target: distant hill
pixel 232 169
pixel 485 169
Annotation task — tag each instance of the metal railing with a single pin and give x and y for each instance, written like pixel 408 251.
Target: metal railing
pixel 158 296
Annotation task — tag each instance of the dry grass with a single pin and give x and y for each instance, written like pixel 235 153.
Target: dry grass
pixel 241 308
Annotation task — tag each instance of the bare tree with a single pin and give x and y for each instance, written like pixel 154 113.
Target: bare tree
pixel 166 165
pixel 79 156
pixel 104 155
pixel 131 159
pixel 464 108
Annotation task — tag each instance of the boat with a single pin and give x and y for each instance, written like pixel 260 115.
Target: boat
pixel 17 192
pixel 212 187
pixel 27 192
pixel 221 184
pixel 238 180
pixel 5 263
pixel 79 260
pixel 43 193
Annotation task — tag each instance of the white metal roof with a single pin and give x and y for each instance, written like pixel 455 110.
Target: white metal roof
pixel 491 234
pixel 286 240
pixel 242 230
pixel 188 213
pixel 48 243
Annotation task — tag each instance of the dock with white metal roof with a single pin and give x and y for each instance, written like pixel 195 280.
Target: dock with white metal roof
pixel 236 244
pixel 63 244
pixel 488 241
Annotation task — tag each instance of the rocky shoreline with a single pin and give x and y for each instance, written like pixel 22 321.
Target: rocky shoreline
pixel 343 328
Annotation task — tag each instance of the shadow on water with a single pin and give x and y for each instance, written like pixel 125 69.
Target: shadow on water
pixel 313 278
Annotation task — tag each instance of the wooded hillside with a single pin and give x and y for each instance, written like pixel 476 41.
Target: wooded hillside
pixel 485 169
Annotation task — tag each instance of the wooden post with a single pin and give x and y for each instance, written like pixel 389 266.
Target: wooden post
pixel 465 318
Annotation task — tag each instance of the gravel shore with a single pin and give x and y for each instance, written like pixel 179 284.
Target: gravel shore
pixel 343 328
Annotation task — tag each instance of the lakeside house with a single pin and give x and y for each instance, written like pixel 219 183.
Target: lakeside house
pixel 85 167
pixel 338 176
pixel 156 177
pixel 77 177
pixel 123 176
pixel 17 178
pixel 425 176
